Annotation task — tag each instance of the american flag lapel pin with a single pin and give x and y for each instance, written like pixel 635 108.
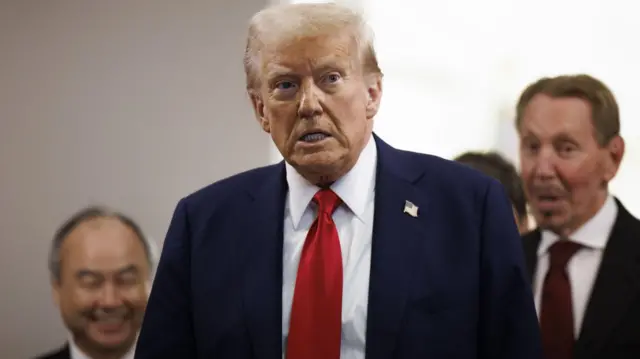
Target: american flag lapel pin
pixel 410 209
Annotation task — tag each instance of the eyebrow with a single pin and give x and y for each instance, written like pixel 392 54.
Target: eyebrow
pixel 564 137
pixel 320 65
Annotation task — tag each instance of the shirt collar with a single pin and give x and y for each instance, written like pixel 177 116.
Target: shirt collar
pixel 76 353
pixel 593 234
pixel 354 189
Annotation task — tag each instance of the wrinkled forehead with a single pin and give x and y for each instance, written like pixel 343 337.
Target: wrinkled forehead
pixel 548 117
pixel 299 53
pixel 103 244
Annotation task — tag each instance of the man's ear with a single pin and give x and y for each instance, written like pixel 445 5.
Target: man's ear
pixel 374 94
pixel 258 109
pixel 615 152
pixel 55 292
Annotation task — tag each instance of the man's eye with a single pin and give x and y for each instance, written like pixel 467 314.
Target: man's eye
pixel 530 147
pixel 128 280
pixel 285 85
pixel 567 149
pixel 333 78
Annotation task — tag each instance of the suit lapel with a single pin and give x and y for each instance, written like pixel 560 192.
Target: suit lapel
pixel 262 236
pixel 395 236
pixel 616 285
pixel 63 353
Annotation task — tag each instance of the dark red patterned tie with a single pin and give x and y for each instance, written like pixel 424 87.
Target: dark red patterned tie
pixel 316 311
pixel 556 313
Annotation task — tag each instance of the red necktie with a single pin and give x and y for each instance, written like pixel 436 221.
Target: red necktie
pixel 556 314
pixel 316 311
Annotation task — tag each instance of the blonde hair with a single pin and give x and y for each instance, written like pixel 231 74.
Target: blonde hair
pixel 289 22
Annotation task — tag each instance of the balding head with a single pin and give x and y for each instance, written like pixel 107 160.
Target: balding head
pixel 101 269
pixel 90 214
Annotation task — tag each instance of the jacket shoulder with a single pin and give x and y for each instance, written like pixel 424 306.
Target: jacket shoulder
pixel 232 188
pixel 62 353
pixel 449 174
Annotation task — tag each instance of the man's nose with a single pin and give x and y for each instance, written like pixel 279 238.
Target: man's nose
pixel 545 164
pixel 110 297
pixel 310 97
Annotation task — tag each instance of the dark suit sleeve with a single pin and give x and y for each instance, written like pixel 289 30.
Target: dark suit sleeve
pixel 508 321
pixel 58 354
pixel 167 329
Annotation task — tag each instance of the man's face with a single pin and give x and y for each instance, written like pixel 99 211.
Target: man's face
pixel 564 169
pixel 102 292
pixel 317 103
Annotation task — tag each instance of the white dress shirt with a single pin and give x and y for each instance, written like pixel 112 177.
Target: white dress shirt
pixel 354 221
pixel 583 266
pixel 76 353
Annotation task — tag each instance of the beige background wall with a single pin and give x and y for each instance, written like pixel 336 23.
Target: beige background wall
pixel 131 103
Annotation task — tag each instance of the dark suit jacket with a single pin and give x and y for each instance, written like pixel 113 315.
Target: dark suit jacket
pixel 450 283
pixel 611 324
pixel 62 353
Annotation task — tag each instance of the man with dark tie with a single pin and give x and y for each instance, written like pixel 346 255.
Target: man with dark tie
pixel 349 247
pixel 584 258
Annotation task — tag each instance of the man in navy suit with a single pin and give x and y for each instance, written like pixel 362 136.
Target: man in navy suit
pixel 348 248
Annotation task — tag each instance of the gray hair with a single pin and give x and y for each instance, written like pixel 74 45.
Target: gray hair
pixel 290 21
pixel 87 214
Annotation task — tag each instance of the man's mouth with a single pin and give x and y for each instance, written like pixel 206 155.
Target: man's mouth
pixel 115 317
pixel 312 137
pixel 548 199
pixel 110 320
pixel 110 324
pixel 548 203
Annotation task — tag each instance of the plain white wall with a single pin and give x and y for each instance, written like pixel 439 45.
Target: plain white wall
pixel 133 104
pixel 453 77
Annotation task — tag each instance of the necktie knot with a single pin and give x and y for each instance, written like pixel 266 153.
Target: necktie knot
pixel 561 251
pixel 327 201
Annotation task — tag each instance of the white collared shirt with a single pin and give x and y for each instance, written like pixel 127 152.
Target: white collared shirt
pixel 76 353
pixel 354 221
pixel 583 266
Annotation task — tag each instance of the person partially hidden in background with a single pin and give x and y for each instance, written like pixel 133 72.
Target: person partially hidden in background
pixel 101 267
pixel 584 257
pixel 349 248
pixel 495 165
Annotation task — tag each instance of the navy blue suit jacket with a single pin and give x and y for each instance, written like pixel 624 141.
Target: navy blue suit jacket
pixel 450 283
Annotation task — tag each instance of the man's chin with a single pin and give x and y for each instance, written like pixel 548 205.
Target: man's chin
pixel 320 160
pixel 554 222
pixel 322 166
pixel 112 337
